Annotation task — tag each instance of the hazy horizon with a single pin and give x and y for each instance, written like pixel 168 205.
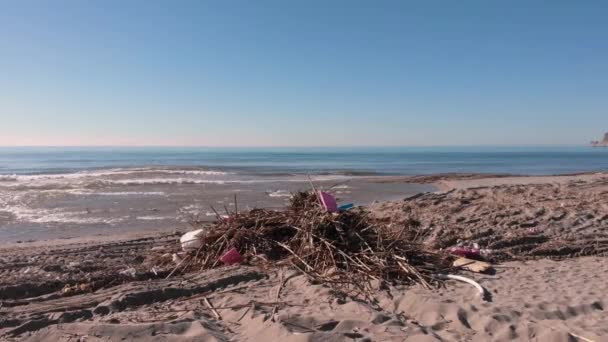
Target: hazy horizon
pixel 302 146
pixel 302 74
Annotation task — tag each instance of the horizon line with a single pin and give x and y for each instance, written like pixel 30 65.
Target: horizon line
pixel 291 146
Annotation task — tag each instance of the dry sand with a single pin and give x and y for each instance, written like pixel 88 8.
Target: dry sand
pixel 124 296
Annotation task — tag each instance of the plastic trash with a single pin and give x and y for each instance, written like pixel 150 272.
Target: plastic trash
pixel 328 201
pixel 465 252
pixel 191 240
pixel 345 207
pixel 232 256
pixel 473 265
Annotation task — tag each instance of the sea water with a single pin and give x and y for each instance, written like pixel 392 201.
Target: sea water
pixel 347 161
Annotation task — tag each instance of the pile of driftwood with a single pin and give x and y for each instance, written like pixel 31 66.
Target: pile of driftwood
pixel 346 249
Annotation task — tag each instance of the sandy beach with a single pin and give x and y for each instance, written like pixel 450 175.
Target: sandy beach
pixel 295 171
pixel 545 236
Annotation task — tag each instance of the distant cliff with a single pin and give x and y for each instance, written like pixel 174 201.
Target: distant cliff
pixel 603 143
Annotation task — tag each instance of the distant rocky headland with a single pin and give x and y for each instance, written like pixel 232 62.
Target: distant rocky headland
pixel 602 143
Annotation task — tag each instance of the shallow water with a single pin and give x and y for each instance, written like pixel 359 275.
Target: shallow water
pixel 147 199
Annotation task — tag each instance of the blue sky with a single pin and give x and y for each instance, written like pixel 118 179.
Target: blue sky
pixel 303 73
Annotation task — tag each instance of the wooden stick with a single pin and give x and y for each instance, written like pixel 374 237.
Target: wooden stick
pixel 246 311
pixel 217 315
pixel 294 254
pixel 219 217
pixel 314 190
pixel 178 265
pixel 275 309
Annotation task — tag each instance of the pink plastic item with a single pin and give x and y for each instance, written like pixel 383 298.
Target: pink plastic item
pixel 465 252
pixel 232 256
pixel 328 201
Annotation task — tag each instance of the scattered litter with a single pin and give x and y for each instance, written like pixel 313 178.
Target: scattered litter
pixel 345 207
pixel 176 258
pixel 191 241
pixel 328 201
pixel 465 252
pixel 232 256
pixel 482 291
pixel 473 265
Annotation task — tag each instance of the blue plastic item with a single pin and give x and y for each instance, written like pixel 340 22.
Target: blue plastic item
pixel 345 207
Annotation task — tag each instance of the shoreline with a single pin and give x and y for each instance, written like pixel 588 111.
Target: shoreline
pixel 384 189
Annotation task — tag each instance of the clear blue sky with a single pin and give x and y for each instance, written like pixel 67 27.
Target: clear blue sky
pixel 293 73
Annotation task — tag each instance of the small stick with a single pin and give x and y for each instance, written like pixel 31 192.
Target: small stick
pixel 311 184
pixel 217 315
pixel 219 217
pixel 178 265
pixel 278 294
pixel 580 337
pixel 236 207
pixel 314 190
pixel 246 311
pixel 294 254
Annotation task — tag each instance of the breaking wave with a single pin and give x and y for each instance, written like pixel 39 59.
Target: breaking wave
pixel 38 215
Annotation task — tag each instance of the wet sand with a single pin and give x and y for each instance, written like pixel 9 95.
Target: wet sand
pixel 113 288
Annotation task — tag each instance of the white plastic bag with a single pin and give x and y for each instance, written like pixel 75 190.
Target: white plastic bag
pixel 191 240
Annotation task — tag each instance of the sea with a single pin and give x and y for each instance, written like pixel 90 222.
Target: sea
pixel 353 161
pixel 65 192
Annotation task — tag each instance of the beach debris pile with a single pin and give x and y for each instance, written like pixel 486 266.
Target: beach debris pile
pixel 344 249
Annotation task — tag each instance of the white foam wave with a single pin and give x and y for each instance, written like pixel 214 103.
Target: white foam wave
pixel 163 181
pixel 154 218
pixel 95 181
pixel 182 180
pixel 110 172
pixel 279 193
pixel 118 193
pixel 37 215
